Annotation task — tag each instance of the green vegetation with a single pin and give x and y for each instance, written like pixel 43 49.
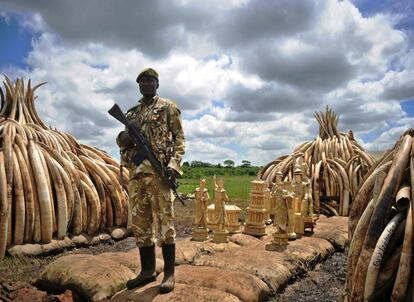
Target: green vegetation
pixel 229 163
pixel 236 180
pixel 198 170
pixel 237 187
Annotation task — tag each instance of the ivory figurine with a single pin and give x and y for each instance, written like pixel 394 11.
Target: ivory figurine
pixel 200 231
pixel 299 191
pixel 281 215
pixel 220 199
pixel 307 207
pixel 201 199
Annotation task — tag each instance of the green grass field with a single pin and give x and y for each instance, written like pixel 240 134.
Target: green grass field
pixel 238 188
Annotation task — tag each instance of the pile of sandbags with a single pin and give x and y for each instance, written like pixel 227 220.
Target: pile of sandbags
pixel 50 184
pixel 335 165
pixel 380 266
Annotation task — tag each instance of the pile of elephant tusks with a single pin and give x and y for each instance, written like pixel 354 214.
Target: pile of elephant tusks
pixel 380 258
pixel 50 184
pixel 336 165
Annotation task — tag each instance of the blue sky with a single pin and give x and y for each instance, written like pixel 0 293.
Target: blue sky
pixel 404 10
pixel 248 75
pixel 16 43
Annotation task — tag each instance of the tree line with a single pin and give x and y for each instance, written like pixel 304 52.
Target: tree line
pixel 197 169
pixel 228 163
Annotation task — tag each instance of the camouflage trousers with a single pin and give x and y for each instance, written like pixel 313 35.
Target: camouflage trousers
pixel 151 204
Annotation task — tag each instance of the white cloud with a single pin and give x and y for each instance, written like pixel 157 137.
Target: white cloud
pixel 5 17
pixel 208 152
pixel 247 85
pixel 34 22
pixel 388 138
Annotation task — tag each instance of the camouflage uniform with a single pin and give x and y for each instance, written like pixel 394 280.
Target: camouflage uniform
pixel 151 201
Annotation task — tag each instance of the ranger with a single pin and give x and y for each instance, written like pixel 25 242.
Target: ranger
pixel 151 200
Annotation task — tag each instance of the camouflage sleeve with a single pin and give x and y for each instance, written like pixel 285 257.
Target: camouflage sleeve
pixel 176 128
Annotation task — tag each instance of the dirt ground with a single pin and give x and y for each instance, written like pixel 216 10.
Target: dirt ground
pixel 324 283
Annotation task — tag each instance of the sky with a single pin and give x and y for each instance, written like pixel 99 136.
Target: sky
pixel 248 75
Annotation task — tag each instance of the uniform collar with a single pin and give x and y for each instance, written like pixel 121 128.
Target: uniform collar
pixel 152 101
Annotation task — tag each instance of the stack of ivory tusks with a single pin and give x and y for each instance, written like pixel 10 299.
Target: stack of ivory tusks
pixel 50 184
pixel 380 258
pixel 336 164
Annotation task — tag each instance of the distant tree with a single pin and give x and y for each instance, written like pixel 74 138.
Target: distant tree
pixel 228 163
pixel 198 163
pixel 246 164
pixel 186 164
pixel 252 172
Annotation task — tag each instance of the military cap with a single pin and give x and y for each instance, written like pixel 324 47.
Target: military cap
pixel 149 72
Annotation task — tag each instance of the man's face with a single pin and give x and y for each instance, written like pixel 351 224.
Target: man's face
pixel 148 86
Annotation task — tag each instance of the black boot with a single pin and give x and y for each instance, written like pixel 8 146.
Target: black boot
pixel 167 284
pixel 147 274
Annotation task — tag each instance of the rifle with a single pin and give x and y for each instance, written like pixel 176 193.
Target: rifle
pixel 144 150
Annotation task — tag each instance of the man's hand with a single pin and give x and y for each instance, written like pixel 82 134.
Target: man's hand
pixel 172 173
pixel 124 140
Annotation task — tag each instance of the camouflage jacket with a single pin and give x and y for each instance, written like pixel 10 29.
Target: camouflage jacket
pixel 160 122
